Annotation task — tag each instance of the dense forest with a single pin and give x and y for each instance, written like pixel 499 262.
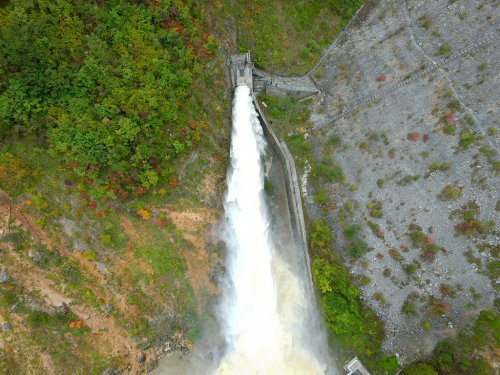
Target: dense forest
pixel 109 84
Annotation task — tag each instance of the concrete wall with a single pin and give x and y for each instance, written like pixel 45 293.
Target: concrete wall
pixel 294 200
pixel 281 92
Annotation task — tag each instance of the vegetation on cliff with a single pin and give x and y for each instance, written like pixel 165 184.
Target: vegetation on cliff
pixel 114 87
pixel 288 36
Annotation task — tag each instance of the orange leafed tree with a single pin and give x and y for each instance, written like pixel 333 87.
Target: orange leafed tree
pixel 77 324
pixel 144 214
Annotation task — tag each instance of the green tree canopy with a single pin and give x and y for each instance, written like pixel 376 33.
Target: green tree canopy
pixel 106 82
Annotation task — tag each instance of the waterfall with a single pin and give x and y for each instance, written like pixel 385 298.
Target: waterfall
pixel 264 312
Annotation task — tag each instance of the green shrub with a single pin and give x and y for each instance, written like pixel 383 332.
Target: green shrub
pixel 365 280
pixel 318 73
pixel 443 49
pixel 466 139
pixel 410 269
pixel 408 308
pixel 380 182
pixel 306 147
pixel 364 144
pixel 37 319
pixel 426 23
pixel 285 104
pixel 305 54
pixel 334 140
pixel 454 104
pixel 437 166
pixel 420 369
pixel 481 67
pixel 268 187
pixel 7 298
pixel 376 213
pixel 329 173
pixel 320 237
pixel 106 238
pixel 449 128
pixel 470 214
pixel 358 249
pixel 349 324
pixel 450 193
pixel 469 120
pixel 389 363
pixel 321 198
pixel 40 203
pixel 351 231
pixel 487 227
pixel 89 254
pixel 417 237
pixel 407 179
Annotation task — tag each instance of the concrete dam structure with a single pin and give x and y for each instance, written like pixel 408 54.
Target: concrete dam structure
pixel 244 73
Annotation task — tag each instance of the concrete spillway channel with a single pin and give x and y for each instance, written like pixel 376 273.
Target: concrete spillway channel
pixel 286 208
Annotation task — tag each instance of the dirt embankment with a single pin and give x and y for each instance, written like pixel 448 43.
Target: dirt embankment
pixel 44 290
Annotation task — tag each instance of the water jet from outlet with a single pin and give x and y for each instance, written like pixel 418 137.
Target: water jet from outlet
pixel 269 323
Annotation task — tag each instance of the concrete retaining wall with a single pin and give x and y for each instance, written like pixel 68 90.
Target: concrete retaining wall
pixel 294 200
pixel 281 92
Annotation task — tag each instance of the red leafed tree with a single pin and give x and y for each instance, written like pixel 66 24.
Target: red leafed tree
pixel 413 136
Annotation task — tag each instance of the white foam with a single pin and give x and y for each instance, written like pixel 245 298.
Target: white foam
pixel 264 307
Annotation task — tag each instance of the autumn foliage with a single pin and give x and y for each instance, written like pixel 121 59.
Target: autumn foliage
pixel 443 288
pixel 144 214
pixel 77 324
pixel 413 136
pixel 160 222
pixel 440 307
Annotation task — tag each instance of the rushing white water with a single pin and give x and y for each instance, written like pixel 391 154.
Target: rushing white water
pixel 265 307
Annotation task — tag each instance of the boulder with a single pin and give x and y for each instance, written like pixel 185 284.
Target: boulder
pixel 140 358
pixel 6 327
pixel 63 309
pixel 109 371
pixel 4 276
